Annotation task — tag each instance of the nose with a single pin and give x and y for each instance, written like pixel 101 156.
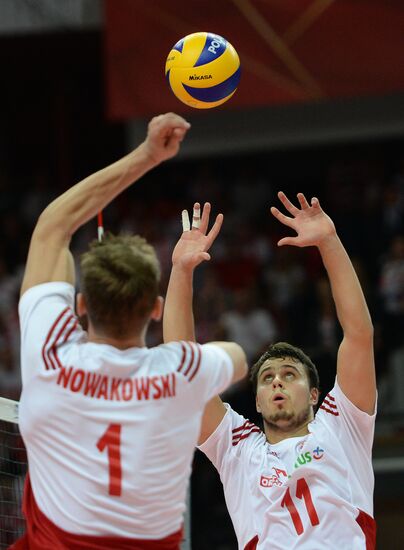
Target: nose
pixel 277 382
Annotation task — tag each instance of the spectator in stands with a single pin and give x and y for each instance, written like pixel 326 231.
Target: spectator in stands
pixel 392 293
pixel 248 323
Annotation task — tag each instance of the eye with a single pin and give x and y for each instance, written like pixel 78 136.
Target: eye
pixel 268 377
pixel 290 375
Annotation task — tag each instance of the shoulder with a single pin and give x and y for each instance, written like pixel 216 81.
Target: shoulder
pixel 44 306
pixel 340 414
pixel 57 293
pixel 337 404
pixel 48 324
pixel 245 430
pixel 190 356
pixel 329 405
pixel 182 357
pixel 233 436
pixel 183 353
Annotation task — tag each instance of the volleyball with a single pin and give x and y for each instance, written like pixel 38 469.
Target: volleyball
pixel 203 70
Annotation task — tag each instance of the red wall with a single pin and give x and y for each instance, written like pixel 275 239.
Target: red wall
pixel 352 48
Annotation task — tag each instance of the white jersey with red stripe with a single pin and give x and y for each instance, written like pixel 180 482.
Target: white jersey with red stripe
pixel 110 433
pixel 307 492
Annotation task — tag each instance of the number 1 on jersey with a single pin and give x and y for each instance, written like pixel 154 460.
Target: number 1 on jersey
pixel 302 491
pixel 112 441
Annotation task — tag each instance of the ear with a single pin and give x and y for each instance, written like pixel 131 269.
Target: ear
pixel 314 395
pixel 157 310
pixel 81 306
pixel 257 405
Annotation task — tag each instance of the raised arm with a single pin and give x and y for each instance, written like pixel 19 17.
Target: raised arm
pixel 355 363
pixel 178 320
pixel 49 258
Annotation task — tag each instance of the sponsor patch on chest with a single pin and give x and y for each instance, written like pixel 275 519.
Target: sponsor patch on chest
pixel 279 476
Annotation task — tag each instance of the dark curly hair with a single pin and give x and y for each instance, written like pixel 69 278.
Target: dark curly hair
pixel 280 350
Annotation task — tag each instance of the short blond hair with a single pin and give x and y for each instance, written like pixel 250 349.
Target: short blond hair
pixel 120 282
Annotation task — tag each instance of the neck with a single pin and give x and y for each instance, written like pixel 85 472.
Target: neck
pixel 276 433
pixel 132 341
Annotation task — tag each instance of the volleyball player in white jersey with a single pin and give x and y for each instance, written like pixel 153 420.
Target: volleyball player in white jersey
pixel 110 425
pixel 306 481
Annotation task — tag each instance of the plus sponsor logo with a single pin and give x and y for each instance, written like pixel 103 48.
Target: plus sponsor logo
pixel 318 453
pixel 279 477
pixel 305 458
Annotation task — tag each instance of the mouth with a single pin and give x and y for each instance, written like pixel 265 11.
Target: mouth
pixel 279 398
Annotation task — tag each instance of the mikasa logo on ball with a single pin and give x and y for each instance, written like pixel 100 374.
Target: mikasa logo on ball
pixel 201 77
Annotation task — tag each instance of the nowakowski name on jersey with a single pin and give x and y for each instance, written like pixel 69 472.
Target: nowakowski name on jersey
pixel 100 386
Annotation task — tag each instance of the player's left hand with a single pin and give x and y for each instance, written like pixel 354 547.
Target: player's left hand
pixel 312 225
pixel 164 135
pixel 194 243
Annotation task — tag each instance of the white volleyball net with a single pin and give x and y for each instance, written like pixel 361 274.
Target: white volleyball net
pixel 13 465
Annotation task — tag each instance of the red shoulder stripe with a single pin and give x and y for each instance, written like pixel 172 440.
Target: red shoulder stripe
pixel 246 424
pixel 184 354
pixel 53 327
pixel 237 439
pixel 335 413
pixel 191 362
pixel 189 366
pixel 329 404
pixel 198 362
pixel 67 332
pixel 52 348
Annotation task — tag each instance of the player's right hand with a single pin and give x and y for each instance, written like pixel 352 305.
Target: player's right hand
pixel 164 135
pixel 194 243
pixel 312 225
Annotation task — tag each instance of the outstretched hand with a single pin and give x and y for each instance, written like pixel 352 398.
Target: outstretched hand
pixel 194 243
pixel 164 135
pixel 312 225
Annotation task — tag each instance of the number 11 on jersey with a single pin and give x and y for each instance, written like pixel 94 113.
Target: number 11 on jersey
pixel 302 491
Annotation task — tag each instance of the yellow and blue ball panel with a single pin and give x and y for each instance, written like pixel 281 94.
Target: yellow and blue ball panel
pixel 203 70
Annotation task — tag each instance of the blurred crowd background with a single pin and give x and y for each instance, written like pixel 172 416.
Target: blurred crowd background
pixel 54 132
pixel 252 291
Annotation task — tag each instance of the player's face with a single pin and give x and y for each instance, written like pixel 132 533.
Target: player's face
pixel 284 397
